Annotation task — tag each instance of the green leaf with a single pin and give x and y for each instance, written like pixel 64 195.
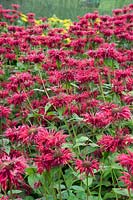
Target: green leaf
pixel 7 149
pixel 76 118
pixel 116 166
pixel 93 145
pixel 121 191
pixel 4 141
pixel 51 113
pixel 81 195
pixel 48 105
pixel 77 188
pixel 67 145
pixel 30 170
pixel 72 197
pixel 81 141
pixel 109 195
pixel 73 84
pixel 14 192
pixel 28 198
pixel 32 179
pixel 90 179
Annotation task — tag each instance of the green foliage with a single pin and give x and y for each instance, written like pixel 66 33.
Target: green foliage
pixel 64 8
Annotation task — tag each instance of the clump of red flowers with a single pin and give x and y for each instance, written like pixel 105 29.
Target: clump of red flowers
pixel 12 168
pixel 51 150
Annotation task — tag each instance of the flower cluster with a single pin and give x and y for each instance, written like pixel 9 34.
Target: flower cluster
pixel 52 152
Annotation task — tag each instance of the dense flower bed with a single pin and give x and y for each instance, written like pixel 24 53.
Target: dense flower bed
pixel 66 96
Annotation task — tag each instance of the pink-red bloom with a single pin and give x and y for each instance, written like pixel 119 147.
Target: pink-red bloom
pixel 126 161
pixel 111 144
pixel 12 168
pixel 52 152
pixel 87 166
pixel 127 178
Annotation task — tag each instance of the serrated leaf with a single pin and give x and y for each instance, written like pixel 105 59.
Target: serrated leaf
pixel 73 84
pixel 32 179
pixel 51 113
pixel 14 192
pixel 47 106
pixel 30 170
pixel 123 192
pixel 93 145
pixel 116 166
pixel 4 141
pixel 82 139
pixel 77 188
pixel 7 149
pixel 67 145
pixel 72 197
pixel 90 179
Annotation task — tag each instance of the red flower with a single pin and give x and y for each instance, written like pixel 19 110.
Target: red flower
pixel 47 140
pixel 112 144
pixel 107 143
pixel 126 160
pixel 50 146
pixel 128 180
pixel 122 113
pixel 17 98
pixel 54 158
pixel 15 6
pixel 4 198
pixel 4 112
pixel 87 166
pixel 11 170
pixel 100 119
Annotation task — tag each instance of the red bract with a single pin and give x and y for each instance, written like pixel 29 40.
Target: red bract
pixel 15 6
pixel 18 98
pixel 127 178
pixel 48 140
pixel 126 160
pixel 4 198
pixel 23 134
pixel 55 158
pixel 20 79
pixel 4 112
pixel 111 144
pixel 87 166
pixel 100 119
pixel 11 170
pixel 122 113
pixel 50 146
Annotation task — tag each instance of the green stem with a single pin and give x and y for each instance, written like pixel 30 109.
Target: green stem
pixel 43 83
pixel 44 186
pixel 113 182
pixel 100 187
pixel 60 196
pixel 11 194
pixel 53 189
pixel 101 89
pixel 113 175
pixel 88 192
pixel 65 182
pixel 129 193
pixel 75 138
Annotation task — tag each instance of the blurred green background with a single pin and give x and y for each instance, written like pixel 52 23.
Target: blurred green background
pixel 66 8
